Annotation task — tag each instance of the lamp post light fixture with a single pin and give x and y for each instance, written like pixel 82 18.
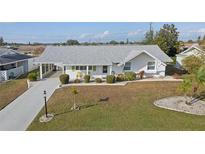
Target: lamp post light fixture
pixel 46 111
pixel 46 117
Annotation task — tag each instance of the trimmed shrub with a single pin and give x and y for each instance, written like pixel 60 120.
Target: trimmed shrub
pixel 110 79
pixel 32 76
pixel 64 78
pixel 130 76
pixel 77 81
pixel 120 77
pixel 98 80
pixel 87 78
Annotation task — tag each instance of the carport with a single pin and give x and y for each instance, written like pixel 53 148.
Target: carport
pixel 47 68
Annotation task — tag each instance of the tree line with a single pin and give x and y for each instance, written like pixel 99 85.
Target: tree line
pixel 167 38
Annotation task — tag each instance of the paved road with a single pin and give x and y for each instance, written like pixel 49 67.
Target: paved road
pixel 21 112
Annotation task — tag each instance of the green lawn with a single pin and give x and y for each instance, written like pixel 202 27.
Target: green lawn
pixel 128 108
pixel 11 90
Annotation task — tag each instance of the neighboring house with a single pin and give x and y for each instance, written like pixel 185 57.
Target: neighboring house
pixel 195 49
pixel 14 64
pixel 100 61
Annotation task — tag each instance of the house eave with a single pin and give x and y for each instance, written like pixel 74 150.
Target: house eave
pixel 2 64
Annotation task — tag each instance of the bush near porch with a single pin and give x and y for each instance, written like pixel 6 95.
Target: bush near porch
pixel 64 78
pixel 11 90
pixel 130 76
pixel 87 78
pixel 33 76
pixel 110 79
pixel 98 80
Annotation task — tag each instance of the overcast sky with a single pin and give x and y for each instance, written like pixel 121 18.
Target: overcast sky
pixel 100 32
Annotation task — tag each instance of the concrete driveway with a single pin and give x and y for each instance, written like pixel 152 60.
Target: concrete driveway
pixel 20 113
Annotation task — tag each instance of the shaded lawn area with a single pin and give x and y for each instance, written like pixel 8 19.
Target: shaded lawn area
pixel 128 108
pixel 11 90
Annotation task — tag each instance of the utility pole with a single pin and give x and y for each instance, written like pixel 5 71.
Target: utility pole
pixel 150 27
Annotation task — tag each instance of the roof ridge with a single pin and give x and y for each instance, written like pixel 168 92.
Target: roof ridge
pixel 104 45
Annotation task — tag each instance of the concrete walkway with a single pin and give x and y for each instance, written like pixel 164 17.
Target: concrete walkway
pixel 21 112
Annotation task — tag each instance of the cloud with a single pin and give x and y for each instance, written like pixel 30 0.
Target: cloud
pixel 137 32
pixel 201 30
pixel 85 35
pixel 95 36
pixel 102 35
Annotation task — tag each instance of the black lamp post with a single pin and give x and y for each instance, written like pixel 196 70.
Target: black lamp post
pixel 44 92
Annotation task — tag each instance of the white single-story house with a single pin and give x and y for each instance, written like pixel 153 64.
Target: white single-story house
pixel 102 60
pixel 14 64
pixel 195 49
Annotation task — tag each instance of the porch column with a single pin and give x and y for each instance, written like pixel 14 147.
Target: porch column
pixel 41 72
pixel 49 68
pixel 63 71
pixel 111 70
pixel 5 75
pixel 87 70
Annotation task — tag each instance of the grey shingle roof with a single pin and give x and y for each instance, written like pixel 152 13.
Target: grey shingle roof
pixel 196 46
pixel 9 56
pixel 97 55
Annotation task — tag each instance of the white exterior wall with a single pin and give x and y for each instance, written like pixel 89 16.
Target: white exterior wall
pixel 96 74
pixel 160 68
pixel 140 64
pixel 179 61
pixel 99 72
pixel 31 64
pixel 137 64
pixel 73 73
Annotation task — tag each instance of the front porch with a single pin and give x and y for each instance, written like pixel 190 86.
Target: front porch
pixel 75 71
pixel 79 71
pixel 46 70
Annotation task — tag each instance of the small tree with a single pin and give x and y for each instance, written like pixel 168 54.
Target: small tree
pixel 193 82
pixel 74 91
pixel 186 86
pixel 201 75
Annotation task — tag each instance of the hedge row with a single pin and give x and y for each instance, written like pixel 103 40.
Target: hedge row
pixel 127 76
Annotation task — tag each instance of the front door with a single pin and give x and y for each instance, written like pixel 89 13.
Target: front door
pixel 104 69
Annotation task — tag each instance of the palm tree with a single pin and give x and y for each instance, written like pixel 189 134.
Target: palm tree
pixel 185 87
pixel 201 75
pixel 198 80
pixel 74 92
